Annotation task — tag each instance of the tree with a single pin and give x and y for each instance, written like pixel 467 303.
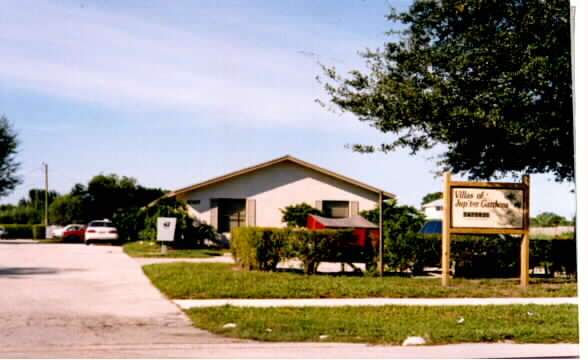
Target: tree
pixel 431 197
pixel 68 209
pixel 489 80
pixel 108 193
pixel 547 219
pixel 297 215
pixel 8 164
pixel 401 225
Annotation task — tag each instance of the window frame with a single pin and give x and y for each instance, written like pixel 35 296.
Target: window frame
pixel 329 205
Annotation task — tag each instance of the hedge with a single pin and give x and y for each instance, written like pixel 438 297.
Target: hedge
pixel 18 231
pixel 258 248
pixel 262 248
pixel 39 232
pixel 475 256
pixel 493 256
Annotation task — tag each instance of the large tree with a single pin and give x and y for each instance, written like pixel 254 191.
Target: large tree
pixel 489 80
pixel 8 164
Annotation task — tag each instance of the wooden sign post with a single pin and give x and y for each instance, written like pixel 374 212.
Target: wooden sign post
pixel 485 208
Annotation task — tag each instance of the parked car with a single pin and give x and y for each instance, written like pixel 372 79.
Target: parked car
pixel 73 233
pixel 100 230
pixel 432 227
pixel 2 232
pixel 58 232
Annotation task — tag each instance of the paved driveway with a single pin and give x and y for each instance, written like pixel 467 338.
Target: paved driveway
pixel 54 296
pixel 70 300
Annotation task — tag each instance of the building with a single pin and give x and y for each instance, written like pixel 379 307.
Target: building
pixel 255 195
pixel 434 210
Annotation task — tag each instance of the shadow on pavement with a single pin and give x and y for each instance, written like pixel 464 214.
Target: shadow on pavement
pixel 14 272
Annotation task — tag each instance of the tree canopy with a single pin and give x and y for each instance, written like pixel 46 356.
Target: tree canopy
pixel 546 219
pixel 431 197
pixel 297 215
pixel 8 164
pixel 489 80
pixel 103 197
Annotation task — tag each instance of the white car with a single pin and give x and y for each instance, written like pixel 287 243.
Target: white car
pixel 100 230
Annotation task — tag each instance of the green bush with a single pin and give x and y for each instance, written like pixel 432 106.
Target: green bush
pixel 17 231
pixel 314 246
pixel 188 235
pixel 478 256
pixel 297 215
pixel 484 257
pixel 402 242
pixel 258 248
pixel 129 222
pixel 38 232
pixel 554 256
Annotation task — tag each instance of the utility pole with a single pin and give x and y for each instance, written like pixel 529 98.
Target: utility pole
pixel 381 237
pixel 46 194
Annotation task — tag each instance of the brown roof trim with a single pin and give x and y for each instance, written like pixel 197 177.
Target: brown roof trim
pixel 274 162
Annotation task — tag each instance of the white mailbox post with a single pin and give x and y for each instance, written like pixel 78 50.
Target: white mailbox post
pixel 166 228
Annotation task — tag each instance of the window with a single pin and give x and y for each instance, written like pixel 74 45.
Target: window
pixel 231 214
pixel 336 209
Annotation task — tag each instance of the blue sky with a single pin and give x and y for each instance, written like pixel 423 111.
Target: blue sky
pixel 173 93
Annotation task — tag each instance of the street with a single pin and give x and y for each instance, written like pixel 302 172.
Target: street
pixel 71 300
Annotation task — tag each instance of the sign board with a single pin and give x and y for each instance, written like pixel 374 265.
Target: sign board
pixel 487 208
pixel 166 228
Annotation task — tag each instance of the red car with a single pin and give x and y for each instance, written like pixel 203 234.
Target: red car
pixel 74 233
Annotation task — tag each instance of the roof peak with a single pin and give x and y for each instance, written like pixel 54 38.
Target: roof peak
pixel 286 157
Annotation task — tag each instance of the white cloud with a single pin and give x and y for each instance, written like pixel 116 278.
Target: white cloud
pixel 117 60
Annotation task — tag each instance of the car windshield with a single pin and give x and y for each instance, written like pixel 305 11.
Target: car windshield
pixel 101 224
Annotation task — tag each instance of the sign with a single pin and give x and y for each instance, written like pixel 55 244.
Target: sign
pixel 166 228
pixel 487 208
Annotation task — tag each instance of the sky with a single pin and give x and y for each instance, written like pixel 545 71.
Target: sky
pixel 176 92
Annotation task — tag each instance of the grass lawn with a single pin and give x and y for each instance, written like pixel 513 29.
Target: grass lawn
pixel 217 281
pixel 153 249
pixel 392 324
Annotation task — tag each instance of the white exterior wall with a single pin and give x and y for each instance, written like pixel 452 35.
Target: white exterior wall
pixel 434 209
pixel 273 188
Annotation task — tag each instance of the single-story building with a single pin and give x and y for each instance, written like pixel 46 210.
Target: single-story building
pixel 255 195
pixel 434 209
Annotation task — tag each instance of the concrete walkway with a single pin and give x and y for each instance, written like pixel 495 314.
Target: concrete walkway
pixel 186 304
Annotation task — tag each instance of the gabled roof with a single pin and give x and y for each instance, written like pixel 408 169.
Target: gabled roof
pixel 282 159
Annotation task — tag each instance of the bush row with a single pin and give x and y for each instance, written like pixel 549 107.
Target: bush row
pixel 258 248
pixel 262 248
pixel 17 231
pixel 490 256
